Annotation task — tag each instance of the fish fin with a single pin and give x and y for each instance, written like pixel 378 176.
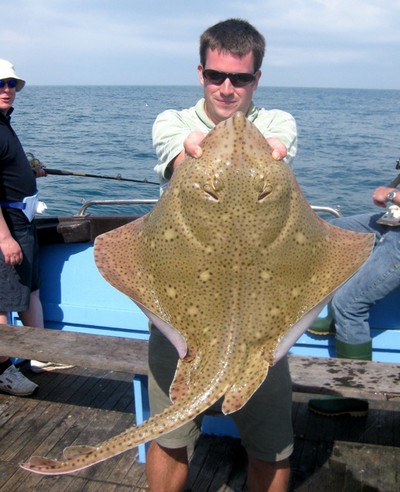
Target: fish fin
pixel 75 460
pixel 180 385
pixel 72 452
pixel 39 461
pixel 173 335
pixel 39 464
pixel 119 258
pixel 294 333
pixel 247 383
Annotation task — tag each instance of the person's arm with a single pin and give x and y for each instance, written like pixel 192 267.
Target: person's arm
pixel 280 130
pixel 169 133
pixel 380 196
pixel 173 140
pixel 192 147
pixel 8 245
pixel 279 150
pixel 40 172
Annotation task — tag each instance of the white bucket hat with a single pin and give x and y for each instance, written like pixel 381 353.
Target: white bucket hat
pixel 7 71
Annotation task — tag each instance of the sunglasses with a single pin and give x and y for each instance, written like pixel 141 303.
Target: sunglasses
pixel 236 79
pixel 12 83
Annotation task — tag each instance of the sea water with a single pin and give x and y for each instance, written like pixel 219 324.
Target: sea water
pixel 348 140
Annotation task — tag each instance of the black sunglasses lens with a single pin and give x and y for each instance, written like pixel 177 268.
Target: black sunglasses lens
pixel 241 79
pixel 214 76
pixel 10 83
pixel 237 79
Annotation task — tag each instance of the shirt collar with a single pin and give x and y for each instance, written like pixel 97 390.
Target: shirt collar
pixel 252 113
pixel 7 116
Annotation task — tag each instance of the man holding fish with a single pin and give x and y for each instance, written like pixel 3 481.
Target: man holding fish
pixel 231 54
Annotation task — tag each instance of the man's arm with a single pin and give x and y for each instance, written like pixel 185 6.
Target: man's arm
pixel 380 194
pixel 192 147
pixel 173 140
pixel 8 245
pixel 280 130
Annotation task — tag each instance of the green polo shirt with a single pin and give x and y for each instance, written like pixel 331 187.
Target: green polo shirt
pixel 172 127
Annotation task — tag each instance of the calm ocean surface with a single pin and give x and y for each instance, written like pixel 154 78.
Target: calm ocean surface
pixel 348 140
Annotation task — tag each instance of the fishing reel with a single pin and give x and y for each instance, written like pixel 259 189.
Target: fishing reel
pixel 35 164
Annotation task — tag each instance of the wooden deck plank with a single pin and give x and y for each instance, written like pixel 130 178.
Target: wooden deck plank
pixel 17 426
pixel 100 429
pixel 366 466
pixel 41 420
pixel 372 380
pixel 68 428
pixel 363 379
pixel 62 422
pixel 89 427
pixel 86 387
pixel 8 408
pixel 216 463
pixel 75 348
pixel 56 417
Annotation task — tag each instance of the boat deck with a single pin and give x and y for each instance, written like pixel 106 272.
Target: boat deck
pixel 86 406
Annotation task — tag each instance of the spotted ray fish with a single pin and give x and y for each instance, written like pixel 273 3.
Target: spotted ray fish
pixel 232 265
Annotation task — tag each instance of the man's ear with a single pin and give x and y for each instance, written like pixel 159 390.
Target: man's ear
pixel 200 73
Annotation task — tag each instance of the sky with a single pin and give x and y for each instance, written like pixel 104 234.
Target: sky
pixel 310 43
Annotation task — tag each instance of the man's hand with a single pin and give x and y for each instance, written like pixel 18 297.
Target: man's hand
pixel 193 141
pixel 11 251
pixel 192 146
pixel 380 194
pixel 279 150
pixel 37 166
pixel 40 172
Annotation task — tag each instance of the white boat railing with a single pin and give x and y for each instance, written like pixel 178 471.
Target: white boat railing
pixel 152 201
pixel 89 203
pixel 329 210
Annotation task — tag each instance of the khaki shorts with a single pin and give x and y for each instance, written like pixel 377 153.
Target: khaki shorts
pixel 264 423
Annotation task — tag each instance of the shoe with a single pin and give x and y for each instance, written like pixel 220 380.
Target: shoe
pixel 356 351
pixel 320 327
pixel 336 406
pixel 15 383
pixel 38 366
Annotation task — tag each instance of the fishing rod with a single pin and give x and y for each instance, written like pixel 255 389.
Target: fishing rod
pixel 396 181
pixel 118 177
pixel 35 164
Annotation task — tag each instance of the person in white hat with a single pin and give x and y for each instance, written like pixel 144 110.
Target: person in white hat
pixel 7 72
pixel 19 269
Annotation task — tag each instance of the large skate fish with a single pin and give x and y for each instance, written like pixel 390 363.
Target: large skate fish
pixel 232 265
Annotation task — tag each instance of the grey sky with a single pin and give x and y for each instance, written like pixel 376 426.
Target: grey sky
pixel 310 43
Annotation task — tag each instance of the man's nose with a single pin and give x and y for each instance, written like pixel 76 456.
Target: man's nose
pixel 227 87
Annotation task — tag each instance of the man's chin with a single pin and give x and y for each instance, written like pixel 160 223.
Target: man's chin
pixel 225 113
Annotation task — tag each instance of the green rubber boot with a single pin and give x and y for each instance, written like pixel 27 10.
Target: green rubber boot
pixel 359 351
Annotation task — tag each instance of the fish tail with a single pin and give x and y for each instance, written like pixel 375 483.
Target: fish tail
pixel 80 457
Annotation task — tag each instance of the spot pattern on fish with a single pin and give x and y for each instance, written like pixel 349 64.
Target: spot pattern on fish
pixel 232 265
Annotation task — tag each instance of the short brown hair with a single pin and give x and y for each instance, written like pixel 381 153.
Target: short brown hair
pixel 234 36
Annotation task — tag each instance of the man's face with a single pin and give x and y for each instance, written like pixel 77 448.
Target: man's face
pixel 7 97
pixel 222 101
